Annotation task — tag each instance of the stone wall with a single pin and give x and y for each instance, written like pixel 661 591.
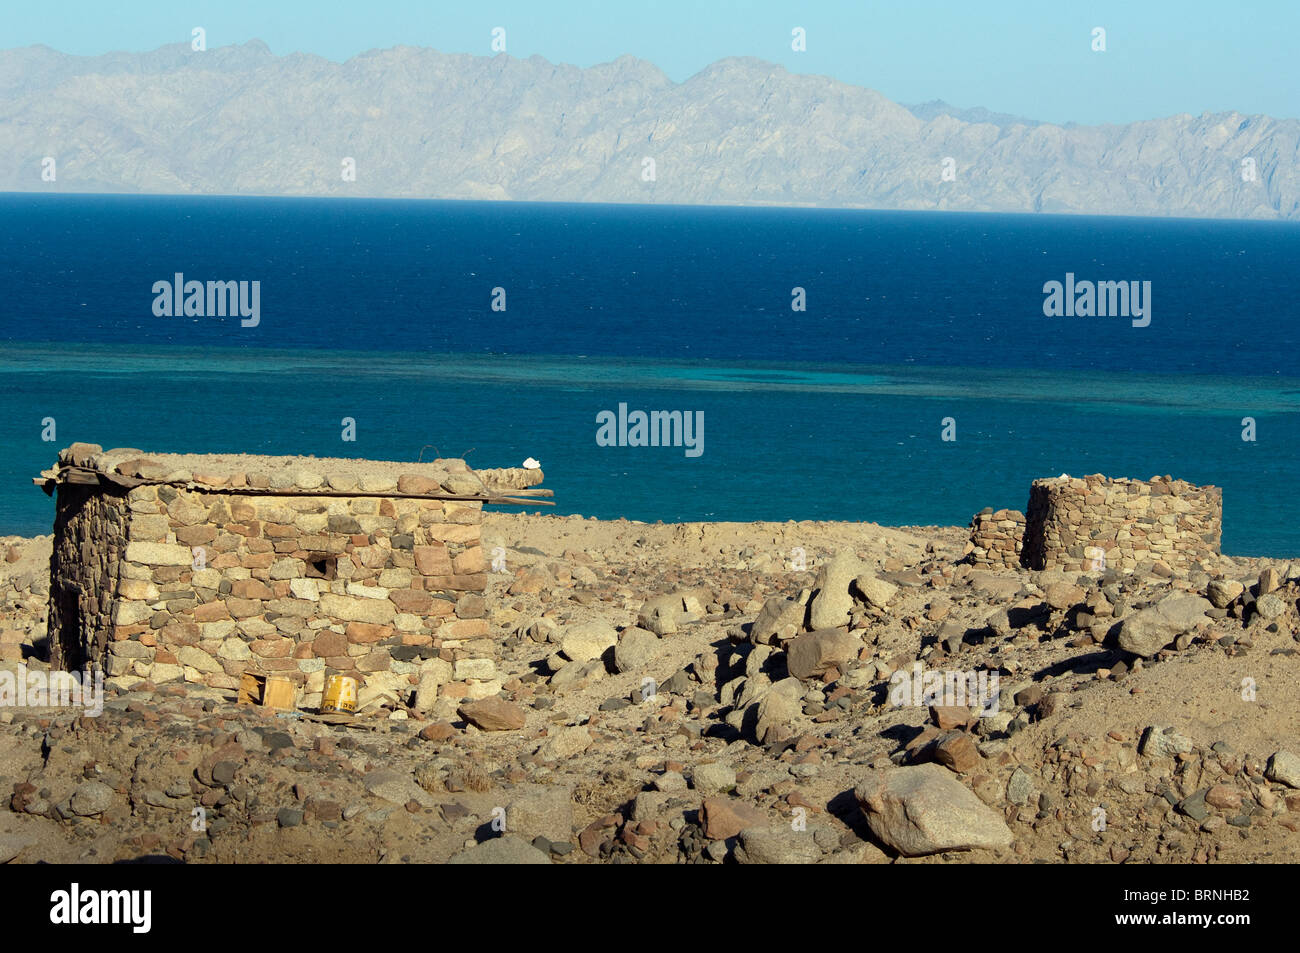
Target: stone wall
pixel 201 568
pixel 213 585
pixel 89 542
pixel 996 538
pixel 1095 522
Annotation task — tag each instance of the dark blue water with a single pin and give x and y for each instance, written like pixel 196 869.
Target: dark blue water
pixel 381 311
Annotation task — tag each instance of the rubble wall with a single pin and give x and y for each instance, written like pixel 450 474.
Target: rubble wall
pixel 89 542
pixel 1094 522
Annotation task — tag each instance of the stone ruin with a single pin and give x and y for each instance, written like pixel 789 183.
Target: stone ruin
pixel 199 568
pixel 1095 523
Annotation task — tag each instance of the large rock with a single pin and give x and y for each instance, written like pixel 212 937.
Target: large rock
pixel 587 641
pixel 1222 592
pixel 1163 742
pixel 664 615
pixel 544 810
pixel 812 654
pixel 875 592
pixel 777 845
pixel 565 743
pixel 1284 768
pixel 493 714
pixel 778 707
pixel 924 810
pixel 1270 606
pixel 396 787
pixel 778 620
pixel 713 778
pixel 1149 630
pixel 832 602
pixel 506 849
pixel 1063 595
pixel 726 817
pixel 635 650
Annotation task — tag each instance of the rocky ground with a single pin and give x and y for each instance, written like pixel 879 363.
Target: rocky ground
pixel 688 694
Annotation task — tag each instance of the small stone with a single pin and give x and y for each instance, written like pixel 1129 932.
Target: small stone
pixel 1020 787
pixel 1224 797
pixel 957 751
pixel 1194 806
pixel 91 798
pixel 1158 742
pixel 289 817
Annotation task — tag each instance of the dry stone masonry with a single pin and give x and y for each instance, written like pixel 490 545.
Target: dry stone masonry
pixel 996 537
pixel 1095 522
pixel 174 567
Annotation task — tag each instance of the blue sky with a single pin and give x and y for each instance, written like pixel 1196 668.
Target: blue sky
pixel 1027 57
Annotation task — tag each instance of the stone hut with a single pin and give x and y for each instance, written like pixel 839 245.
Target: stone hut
pixel 1095 522
pixel 200 568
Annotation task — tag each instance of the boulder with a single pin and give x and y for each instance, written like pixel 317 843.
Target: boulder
pixel 777 845
pixel 778 707
pixel 1284 768
pixel 713 778
pixel 1222 592
pixel 725 817
pixel 924 810
pixel 831 602
pixel 493 714
pixel 812 654
pixel 544 810
pixel 779 619
pixel 664 615
pixel 1149 630
pixel 587 641
pixel 875 592
pixel 1063 595
pixel 635 650
pixel 565 743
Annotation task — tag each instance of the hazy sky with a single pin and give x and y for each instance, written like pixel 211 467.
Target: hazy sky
pixel 1028 57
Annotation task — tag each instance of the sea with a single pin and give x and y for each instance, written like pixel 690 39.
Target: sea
pixel 891 367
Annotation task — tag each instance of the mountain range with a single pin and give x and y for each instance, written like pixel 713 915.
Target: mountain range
pixel 418 123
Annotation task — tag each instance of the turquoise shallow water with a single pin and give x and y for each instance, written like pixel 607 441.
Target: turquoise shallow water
pixel 780 442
